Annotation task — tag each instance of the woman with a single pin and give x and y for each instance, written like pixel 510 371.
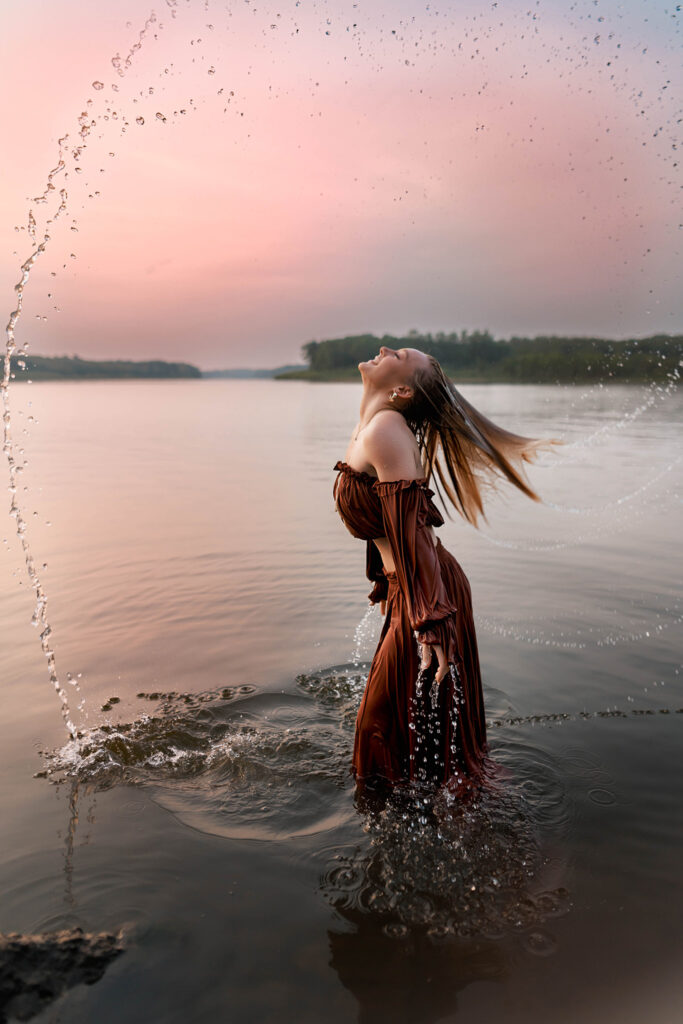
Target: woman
pixel 421 718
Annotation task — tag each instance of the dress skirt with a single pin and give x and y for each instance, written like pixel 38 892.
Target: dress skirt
pixel 408 728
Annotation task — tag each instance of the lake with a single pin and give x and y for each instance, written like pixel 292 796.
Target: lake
pixel 209 615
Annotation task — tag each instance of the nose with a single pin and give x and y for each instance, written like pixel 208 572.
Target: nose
pixel 383 349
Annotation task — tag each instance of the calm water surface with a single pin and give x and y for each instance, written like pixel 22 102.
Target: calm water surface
pixel 211 607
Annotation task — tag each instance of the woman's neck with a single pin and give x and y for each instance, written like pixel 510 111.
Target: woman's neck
pixel 371 403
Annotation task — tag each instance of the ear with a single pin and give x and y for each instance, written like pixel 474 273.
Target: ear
pixel 404 391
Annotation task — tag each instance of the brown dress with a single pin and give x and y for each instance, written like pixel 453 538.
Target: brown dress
pixel 409 728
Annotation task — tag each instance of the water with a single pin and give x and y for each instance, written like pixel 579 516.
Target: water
pixel 207 608
pixel 211 607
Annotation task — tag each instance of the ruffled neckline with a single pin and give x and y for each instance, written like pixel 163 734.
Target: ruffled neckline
pixel 375 481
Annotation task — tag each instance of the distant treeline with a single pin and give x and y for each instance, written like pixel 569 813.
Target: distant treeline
pixel 240 373
pixel 479 357
pixel 74 368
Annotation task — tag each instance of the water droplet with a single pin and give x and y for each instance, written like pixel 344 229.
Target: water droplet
pixel 540 943
pixel 602 796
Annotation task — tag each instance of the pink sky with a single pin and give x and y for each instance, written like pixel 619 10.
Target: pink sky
pixel 478 169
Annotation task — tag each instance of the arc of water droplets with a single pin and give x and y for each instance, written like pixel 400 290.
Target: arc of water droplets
pixel 39 618
pixel 557 717
pixel 607 640
pixel 558 545
pixel 40 612
pixel 120 65
pixel 570 452
pixel 590 510
pixel 364 633
pixel 657 392
pixel 541 718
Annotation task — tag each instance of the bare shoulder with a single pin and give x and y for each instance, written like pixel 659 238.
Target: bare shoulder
pixel 391 448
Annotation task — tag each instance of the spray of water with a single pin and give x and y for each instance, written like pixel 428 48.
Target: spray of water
pixel 591 636
pixel 39 619
pixel 366 631
pixel 365 634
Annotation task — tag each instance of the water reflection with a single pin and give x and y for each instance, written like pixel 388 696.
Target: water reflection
pixel 428 894
pixel 264 766
pixel 437 889
pixel 233 762
pixel 411 978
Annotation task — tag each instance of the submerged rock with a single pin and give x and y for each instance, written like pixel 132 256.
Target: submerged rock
pixel 36 969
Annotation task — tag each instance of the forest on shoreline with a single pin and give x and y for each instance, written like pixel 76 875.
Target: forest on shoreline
pixel 478 357
pixel 475 357
pixel 37 368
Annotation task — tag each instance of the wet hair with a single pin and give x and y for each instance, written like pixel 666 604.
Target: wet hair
pixel 463 448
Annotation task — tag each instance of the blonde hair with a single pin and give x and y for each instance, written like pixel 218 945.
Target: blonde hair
pixel 474 451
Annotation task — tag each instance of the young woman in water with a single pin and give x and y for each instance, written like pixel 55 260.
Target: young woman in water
pixel 421 718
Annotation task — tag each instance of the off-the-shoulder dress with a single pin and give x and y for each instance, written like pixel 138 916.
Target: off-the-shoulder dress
pixel 409 728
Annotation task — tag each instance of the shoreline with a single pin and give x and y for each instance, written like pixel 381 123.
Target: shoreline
pixel 317 377
pixel 314 378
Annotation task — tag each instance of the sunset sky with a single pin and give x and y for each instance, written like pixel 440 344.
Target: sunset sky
pixel 340 167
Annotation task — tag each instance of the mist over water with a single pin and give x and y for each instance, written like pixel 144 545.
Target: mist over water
pixel 208 634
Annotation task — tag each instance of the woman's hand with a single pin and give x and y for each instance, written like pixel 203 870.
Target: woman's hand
pixel 427 655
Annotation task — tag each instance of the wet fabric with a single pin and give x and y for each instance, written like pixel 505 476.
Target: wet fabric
pixel 408 727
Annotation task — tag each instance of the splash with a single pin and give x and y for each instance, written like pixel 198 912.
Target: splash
pixel 365 634
pixel 638 492
pixel 415 45
pixel 435 721
pixel 39 619
pixel 231 762
pixel 594 636
pixel 654 393
pixel 240 763
pixel 429 867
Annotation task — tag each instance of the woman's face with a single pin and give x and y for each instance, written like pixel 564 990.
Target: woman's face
pixel 393 366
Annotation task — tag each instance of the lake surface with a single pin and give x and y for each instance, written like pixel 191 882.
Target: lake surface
pixel 209 604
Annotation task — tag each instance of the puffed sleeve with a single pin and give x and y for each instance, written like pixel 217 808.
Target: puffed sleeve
pixel 374 570
pixel 406 508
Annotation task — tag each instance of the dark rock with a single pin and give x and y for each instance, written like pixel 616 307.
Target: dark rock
pixel 36 969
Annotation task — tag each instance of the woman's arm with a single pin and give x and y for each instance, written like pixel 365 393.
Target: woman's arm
pixel 393 451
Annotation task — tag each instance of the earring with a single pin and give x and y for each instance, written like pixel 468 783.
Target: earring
pixel 393 395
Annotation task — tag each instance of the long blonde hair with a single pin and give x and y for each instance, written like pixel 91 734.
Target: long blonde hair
pixel 475 452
